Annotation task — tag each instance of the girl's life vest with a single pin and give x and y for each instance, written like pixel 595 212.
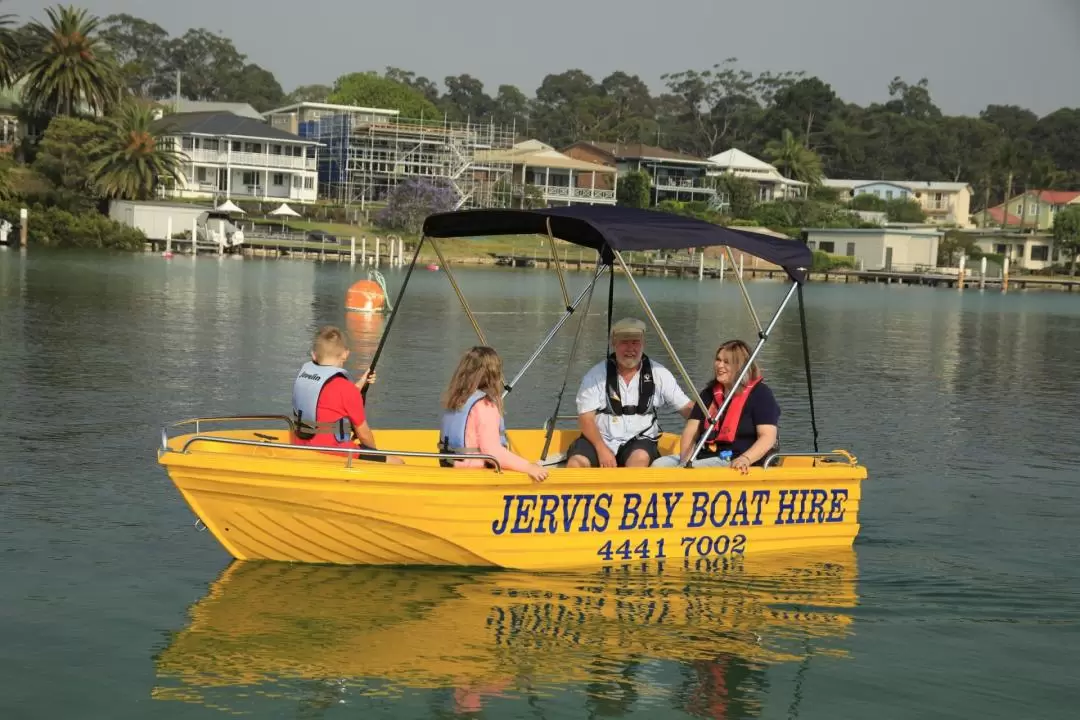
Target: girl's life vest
pixel 452 430
pixel 722 430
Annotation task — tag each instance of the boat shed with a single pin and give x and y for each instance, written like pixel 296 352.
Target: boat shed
pixel 891 248
pixel 153 217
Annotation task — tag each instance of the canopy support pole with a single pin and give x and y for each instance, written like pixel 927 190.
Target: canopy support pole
pixel 461 297
pixel 806 360
pixel 659 331
pixel 570 308
pixel 393 314
pixel 610 298
pixel 745 294
pixel 569 366
pixel 742 375
pixel 558 265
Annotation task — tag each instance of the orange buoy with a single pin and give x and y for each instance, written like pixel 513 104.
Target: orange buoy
pixel 365 296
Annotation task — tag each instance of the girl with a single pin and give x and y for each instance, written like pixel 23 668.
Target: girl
pixel 748 427
pixel 473 421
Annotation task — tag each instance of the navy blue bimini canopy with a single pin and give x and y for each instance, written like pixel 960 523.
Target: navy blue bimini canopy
pixel 605 228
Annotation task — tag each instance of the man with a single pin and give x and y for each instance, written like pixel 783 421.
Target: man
pixel 327 406
pixel 617 404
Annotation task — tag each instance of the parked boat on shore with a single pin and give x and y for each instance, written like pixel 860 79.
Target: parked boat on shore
pixel 265 498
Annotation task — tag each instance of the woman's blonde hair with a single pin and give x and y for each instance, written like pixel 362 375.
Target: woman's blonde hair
pixel 479 369
pixel 739 353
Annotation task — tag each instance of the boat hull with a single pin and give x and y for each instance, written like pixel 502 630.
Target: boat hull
pixel 269 503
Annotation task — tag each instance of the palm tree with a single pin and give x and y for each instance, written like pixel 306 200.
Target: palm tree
pixel 9 52
pixel 794 160
pixel 134 159
pixel 68 66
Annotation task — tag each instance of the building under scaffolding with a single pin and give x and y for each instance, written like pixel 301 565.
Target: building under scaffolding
pixel 367 152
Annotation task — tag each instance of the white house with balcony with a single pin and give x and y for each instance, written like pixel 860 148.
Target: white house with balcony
pixel 945 203
pixel 229 156
pixel 771 184
pixel 559 179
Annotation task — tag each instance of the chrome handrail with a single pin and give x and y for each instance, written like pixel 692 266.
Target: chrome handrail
pixel 851 459
pixel 225 418
pixel 349 451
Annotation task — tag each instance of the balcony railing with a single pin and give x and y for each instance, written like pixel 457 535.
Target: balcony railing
pixel 563 192
pixel 259 160
pixel 683 185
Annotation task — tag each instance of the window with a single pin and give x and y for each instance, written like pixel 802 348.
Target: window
pixel 188 143
pixel 275 150
pixel 812 244
pixel 200 174
pixel 309 183
pixel 888 194
pixel 1040 252
pixel 279 179
pixel 237 145
pixel 1000 249
pixel 249 178
pixel 210 144
pixel 850 249
pixel 827 246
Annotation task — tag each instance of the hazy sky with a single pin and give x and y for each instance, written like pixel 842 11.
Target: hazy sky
pixel 974 52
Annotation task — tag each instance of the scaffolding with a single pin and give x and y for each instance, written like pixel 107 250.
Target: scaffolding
pixel 363 158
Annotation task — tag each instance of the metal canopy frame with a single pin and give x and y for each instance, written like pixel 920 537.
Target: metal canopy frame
pixel 607 258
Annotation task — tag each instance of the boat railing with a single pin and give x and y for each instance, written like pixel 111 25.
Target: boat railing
pixel 838 455
pixel 350 452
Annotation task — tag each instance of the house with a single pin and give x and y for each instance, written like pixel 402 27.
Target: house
pixel 900 249
pixel 675 175
pixel 365 153
pixel 945 203
pixel 1035 210
pixel 1025 251
pixel 232 156
pixel 559 179
pixel 772 185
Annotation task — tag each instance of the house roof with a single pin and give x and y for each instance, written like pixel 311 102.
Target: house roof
pixel 640 151
pixel 883 182
pixel 736 159
pixel 190 106
pixel 1056 197
pixel 225 124
pixel 537 154
pixel 996 214
pixel 331 106
pixel 909 184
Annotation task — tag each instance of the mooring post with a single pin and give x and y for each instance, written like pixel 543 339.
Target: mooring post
pixel 352 250
pixel 24 222
pixel 982 274
pixel 168 235
pixel 960 275
pixel 1005 276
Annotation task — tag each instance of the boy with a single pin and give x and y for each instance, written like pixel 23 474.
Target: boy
pixel 327 406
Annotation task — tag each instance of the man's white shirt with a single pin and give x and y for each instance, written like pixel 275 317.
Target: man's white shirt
pixel 614 429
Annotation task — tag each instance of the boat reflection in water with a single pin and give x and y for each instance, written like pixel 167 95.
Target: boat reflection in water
pixel 698 635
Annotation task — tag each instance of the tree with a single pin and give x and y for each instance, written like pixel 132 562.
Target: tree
pixel 65 157
pixel 409 204
pixel 132 160
pixel 901 210
pixel 465 99
pixel 138 49
pixel 633 189
pixel 794 160
pixel 511 108
pixel 9 51
pixel 741 194
pixel 1067 233
pixel 69 67
pixel 254 85
pixel 369 90
pixel 308 93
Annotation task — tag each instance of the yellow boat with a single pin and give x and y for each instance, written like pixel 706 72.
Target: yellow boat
pixel 264 498
pixel 273 626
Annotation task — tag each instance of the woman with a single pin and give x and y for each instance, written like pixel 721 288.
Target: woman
pixel 748 427
pixel 473 421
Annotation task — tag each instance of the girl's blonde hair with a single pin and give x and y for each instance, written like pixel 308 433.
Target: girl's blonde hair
pixel 739 353
pixel 479 369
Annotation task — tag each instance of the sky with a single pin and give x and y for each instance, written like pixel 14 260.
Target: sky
pixel 974 52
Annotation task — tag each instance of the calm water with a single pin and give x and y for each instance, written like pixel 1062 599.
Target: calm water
pixel 961 598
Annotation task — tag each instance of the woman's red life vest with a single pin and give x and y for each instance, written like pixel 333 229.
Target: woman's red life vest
pixel 726 431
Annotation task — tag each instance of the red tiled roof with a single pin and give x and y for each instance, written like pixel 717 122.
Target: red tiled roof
pixel 995 214
pixel 1057 197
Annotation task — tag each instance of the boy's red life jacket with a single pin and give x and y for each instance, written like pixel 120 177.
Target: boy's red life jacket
pixel 725 433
